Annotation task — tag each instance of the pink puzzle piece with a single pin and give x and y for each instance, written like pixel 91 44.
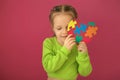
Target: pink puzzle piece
pixel 87 40
pixel 71 31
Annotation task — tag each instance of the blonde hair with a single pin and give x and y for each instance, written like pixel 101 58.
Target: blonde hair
pixel 62 9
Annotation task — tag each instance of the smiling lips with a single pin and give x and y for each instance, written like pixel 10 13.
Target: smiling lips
pixel 64 36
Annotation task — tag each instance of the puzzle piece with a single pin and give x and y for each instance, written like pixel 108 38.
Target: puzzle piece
pixel 71 24
pixel 91 24
pixel 78 38
pixel 87 40
pixel 91 31
pixel 83 27
pixel 71 31
pixel 79 29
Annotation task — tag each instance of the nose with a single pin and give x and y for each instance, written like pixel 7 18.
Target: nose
pixel 65 31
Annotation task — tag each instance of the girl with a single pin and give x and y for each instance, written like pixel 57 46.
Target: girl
pixel 62 58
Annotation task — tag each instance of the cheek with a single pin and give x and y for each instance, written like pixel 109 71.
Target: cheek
pixel 56 32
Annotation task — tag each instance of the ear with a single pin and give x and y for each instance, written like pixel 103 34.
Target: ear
pixel 53 30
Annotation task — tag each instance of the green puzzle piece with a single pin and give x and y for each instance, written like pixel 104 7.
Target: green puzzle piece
pixel 78 39
pixel 91 23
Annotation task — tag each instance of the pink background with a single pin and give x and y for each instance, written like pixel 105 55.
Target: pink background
pixel 24 24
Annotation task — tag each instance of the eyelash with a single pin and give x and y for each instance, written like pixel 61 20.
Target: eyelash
pixel 59 29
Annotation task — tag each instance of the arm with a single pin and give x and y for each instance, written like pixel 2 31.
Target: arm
pixel 85 67
pixel 53 61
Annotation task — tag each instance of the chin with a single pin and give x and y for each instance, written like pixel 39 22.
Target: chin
pixel 63 39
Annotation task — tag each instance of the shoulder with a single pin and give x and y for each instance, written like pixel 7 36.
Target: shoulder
pixel 49 40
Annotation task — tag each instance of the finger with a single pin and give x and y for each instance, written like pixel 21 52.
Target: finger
pixel 82 48
pixel 70 39
pixel 72 44
pixel 82 44
pixel 70 35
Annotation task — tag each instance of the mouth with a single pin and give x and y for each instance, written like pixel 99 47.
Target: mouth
pixel 63 36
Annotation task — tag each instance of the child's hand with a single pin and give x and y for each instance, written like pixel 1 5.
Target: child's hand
pixel 82 47
pixel 69 42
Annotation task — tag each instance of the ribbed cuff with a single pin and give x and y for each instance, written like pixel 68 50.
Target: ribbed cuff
pixel 82 56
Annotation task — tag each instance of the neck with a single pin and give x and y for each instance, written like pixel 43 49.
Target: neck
pixel 60 42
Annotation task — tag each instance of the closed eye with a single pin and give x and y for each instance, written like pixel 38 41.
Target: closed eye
pixel 66 27
pixel 59 28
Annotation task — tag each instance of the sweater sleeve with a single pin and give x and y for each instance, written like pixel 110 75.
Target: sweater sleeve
pixel 53 61
pixel 85 67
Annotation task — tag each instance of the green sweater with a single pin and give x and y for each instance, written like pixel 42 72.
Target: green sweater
pixel 63 64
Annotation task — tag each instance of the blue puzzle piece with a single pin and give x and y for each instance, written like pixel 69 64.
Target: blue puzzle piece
pixel 77 30
pixel 83 27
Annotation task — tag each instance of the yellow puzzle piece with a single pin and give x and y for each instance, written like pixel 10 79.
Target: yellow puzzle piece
pixel 71 24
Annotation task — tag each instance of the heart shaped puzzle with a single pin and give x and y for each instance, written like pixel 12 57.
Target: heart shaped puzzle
pixel 82 32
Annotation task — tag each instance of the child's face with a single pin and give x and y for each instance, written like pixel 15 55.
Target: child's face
pixel 60 23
